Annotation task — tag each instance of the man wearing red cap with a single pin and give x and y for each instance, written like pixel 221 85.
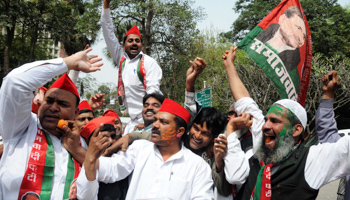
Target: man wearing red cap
pixel 138 73
pixel 86 114
pixel 162 169
pixel 117 122
pixel 34 158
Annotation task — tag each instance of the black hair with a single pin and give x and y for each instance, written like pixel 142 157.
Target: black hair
pixel 294 10
pixel 106 127
pixel 155 95
pixel 181 123
pixel 86 111
pixel 215 120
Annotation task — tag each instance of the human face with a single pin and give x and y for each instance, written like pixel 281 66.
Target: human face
pixel 231 114
pixel 276 126
pixel 83 119
pixel 164 129
pixel 118 126
pixel 293 30
pixel 132 45
pixel 200 136
pixel 58 104
pixel 150 109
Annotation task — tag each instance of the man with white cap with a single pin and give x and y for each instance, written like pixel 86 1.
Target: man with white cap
pixel 283 165
pixel 138 73
pixel 162 169
pixel 34 158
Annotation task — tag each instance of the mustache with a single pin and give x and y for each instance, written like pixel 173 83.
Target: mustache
pixel 150 110
pixel 155 130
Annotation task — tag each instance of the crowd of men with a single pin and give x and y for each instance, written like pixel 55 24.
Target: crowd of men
pixel 167 151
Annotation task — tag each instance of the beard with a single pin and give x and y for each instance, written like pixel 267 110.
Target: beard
pixel 278 152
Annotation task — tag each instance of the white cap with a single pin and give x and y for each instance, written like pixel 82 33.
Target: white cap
pixel 294 107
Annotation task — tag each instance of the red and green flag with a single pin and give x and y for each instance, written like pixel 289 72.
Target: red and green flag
pixel 281 45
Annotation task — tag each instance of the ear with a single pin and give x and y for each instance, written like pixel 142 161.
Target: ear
pixel 124 47
pixel 76 113
pixel 297 130
pixel 180 132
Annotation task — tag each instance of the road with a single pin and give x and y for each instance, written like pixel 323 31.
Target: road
pixel 329 191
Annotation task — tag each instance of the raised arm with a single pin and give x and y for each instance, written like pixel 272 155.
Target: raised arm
pixel 196 68
pixel 325 124
pixel 112 42
pixel 238 89
pixel 17 88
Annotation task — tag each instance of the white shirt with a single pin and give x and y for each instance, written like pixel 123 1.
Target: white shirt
pixel 183 176
pixel 18 126
pixel 134 89
pixel 325 162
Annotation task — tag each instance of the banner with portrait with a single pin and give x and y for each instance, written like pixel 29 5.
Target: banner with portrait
pixel 281 45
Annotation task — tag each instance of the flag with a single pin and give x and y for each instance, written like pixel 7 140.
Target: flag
pixel 281 45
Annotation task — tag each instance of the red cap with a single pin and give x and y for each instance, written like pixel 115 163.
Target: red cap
pixel 85 105
pixel 94 123
pixel 65 83
pixel 111 113
pixel 42 88
pixel 133 30
pixel 174 108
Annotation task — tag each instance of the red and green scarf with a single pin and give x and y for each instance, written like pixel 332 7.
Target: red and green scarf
pixel 141 73
pixel 40 170
pixel 263 184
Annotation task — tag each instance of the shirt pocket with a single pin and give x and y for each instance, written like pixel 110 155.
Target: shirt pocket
pixel 178 189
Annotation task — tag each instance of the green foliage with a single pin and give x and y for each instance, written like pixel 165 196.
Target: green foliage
pixel 329 23
pixel 30 28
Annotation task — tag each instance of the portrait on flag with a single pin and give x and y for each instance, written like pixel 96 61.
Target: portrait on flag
pixel 281 45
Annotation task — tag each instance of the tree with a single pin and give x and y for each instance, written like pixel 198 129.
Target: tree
pixel 32 27
pixel 328 21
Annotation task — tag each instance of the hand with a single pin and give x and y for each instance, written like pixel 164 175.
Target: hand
pixel 71 136
pixel 242 121
pixel 99 141
pixel 71 141
pixel 330 83
pixel 106 4
pixel 139 127
pixel 96 101
pixel 220 151
pixel 80 61
pixel 120 144
pixel 229 56
pixel 197 67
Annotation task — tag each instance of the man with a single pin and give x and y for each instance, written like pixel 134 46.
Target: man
pixel 283 165
pixel 118 189
pixel 162 169
pixel 151 105
pixel 38 98
pixel 117 123
pixel 29 138
pixel 138 73
pixel 86 114
pixel 286 37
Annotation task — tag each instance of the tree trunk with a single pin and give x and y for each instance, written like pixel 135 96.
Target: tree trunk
pixel 33 41
pixel 147 30
pixel 7 49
